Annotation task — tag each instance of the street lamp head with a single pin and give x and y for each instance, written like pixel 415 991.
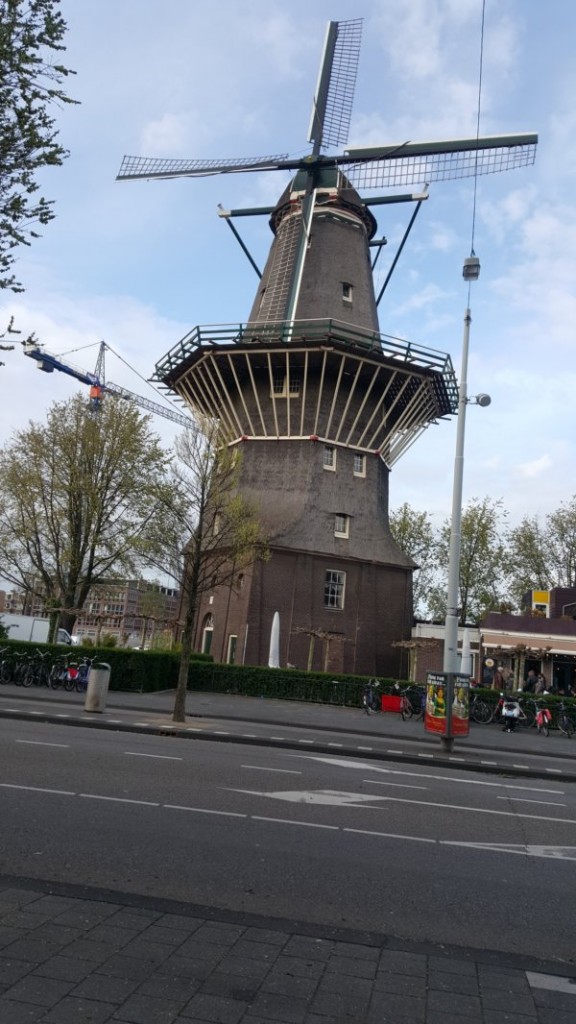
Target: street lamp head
pixel 483 400
pixel 471 269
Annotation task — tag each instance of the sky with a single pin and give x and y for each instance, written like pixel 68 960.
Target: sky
pixel 138 264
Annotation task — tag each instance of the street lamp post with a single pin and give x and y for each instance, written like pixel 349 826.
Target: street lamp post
pixel 470 272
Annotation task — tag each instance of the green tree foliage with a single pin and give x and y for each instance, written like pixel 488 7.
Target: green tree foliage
pixel 80 497
pixel 208 523
pixel 31 34
pixel 414 533
pixel 544 555
pixel 484 561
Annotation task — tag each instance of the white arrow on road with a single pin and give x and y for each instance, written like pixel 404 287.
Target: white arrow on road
pixel 328 797
pixel 558 852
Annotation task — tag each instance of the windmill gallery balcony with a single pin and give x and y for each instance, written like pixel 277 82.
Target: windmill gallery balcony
pixel 323 379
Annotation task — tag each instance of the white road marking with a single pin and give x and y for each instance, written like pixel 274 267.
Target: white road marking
pixel 160 757
pixel 400 785
pixel 118 799
pixel 365 748
pixel 39 789
pixel 39 743
pixel 277 737
pixel 555 852
pixel 336 798
pixel 394 751
pixel 389 835
pixel 202 810
pixel 322 797
pixel 527 800
pixel 287 821
pixel 493 763
pixel 365 766
pixel 525 766
pixel 426 755
pixel 263 768
pixel 220 732
pixel 552 982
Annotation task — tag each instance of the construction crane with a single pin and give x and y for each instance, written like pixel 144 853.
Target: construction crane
pixel 99 386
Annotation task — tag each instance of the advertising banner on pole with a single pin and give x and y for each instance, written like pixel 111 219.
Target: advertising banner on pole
pixel 447 704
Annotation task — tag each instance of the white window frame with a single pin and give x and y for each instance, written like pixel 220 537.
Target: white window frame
pixel 362 458
pixel 341 524
pixel 334 589
pixel 329 458
pixel 347 292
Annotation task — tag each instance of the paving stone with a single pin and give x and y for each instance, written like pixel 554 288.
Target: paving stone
pixel 549 1016
pixel 166 936
pixel 64 967
pixel 170 987
pixel 451 965
pixel 19 1013
pixel 86 916
pixel 400 983
pixel 55 904
pixel 27 918
pixel 452 1002
pixel 215 1009
pixel 509 1002
pixel 244 967
pixel 120 966
pixel 350 966
pixel 273 938
pixel 112 936
pixel 147 1010
pixel 393 1006
pixel 200 950
pixel 12 970
pixel 106 988
pixel 74 1011
pixel 279 1008
pixel 219 934
pixel 356 951
pixel 256 950
pixel 187 967
pixel 154 952
pixel 39 991
pixel 84 949
pixel 555 1000
pixel 299 966
pixel 9 935
pixel 289 985
pixel 397 961
pixel 33 950
pixel 18 897
pixel 443 981
pixel 231 986
pixel 308 948
pixel 507 981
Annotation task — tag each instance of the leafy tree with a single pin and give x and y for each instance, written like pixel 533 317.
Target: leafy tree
pixel 544 556
pixel 31 33
pixel 4 634
pixel 210 524
pixel 414 533
pixel 484 561
pixel 80 497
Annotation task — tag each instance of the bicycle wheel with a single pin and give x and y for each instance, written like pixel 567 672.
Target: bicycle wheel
pixel 28 675
pixel 567 727
pixel 5 672
pixel 406 709
pixel 529 718
pixel 481 712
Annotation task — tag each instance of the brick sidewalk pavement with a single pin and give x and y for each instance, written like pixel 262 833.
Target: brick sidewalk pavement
pixel 70 955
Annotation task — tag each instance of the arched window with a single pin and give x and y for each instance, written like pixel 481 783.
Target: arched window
pixel 207 633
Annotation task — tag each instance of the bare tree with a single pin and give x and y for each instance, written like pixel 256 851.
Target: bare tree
pixel 208 520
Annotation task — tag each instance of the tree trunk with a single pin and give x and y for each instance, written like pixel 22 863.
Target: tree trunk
pixel 179 713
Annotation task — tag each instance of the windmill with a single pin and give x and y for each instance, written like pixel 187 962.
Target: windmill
pixel 322 403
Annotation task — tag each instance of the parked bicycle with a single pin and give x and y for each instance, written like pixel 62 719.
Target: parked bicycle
pixel 64 672
pixel 543 718
pixel 484 711
pixel 564 721
pixel 6 665
pixel 412 703
pixel 84 674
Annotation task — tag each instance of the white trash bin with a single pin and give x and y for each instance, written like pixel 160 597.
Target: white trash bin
pixel 97 690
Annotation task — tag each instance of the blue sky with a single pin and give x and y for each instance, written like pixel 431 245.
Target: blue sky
pixel 140 263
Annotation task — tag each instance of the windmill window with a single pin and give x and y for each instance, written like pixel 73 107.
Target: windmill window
pixel 359 465
pixel 334 586
pixel 283 388
pixel 329 459
pixel 341 525
pixel 346 291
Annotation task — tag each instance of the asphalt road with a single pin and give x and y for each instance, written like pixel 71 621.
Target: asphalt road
pixel 421 853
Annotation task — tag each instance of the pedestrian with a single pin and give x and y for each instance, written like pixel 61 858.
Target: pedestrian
pixel 540 684
pixel 530 681
pixel 498 680
pixel 510 715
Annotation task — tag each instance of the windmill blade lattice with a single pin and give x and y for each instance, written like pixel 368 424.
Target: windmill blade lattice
pixel 332 106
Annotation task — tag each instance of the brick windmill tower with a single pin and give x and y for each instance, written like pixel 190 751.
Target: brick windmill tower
pixel 320 402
